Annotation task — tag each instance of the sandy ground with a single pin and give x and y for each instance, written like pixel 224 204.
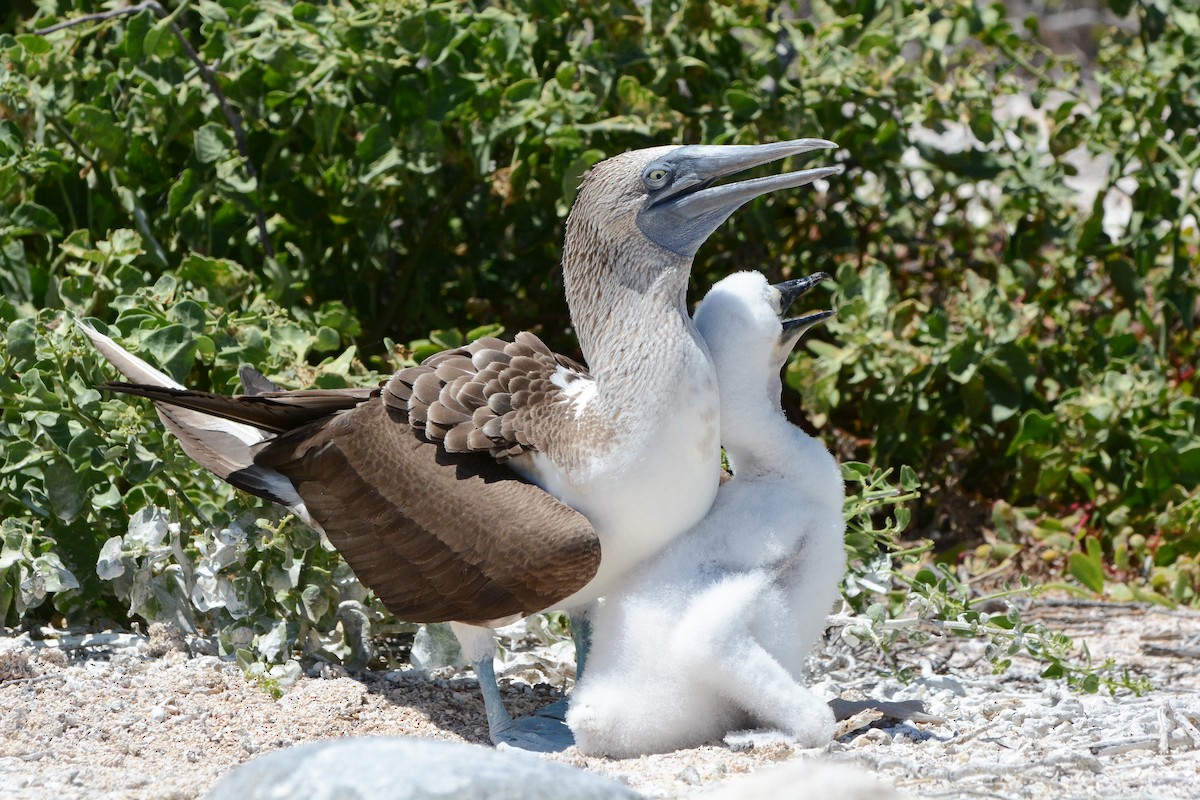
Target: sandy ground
pixel 125 716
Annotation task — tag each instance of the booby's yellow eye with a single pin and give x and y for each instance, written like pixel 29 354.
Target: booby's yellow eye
pixel 657 175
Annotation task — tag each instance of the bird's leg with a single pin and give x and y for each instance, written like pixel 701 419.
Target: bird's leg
pixel 581 635
pixel 357 626
pixel 540 734
pixel 497 715
pixel 537 733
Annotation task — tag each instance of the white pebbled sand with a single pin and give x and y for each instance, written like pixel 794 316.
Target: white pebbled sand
pixel 111 721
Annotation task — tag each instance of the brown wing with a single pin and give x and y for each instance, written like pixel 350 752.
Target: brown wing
pixel 491 396
pixel 438 536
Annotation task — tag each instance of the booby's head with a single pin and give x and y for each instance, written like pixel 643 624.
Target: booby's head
pixel 683 202
pixel 671 195
pixel 638 220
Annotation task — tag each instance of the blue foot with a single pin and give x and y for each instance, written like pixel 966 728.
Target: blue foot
pixel 544 731
pixel 537 733
pixel 556 710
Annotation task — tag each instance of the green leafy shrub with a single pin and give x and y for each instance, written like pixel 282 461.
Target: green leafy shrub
pixel 303 186
pixel 1018 350
pixel 899 596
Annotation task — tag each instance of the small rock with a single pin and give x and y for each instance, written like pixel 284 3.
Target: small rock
pixel 689 776
pixel 410 769
pixel 872 737
pixel 943 683
pixel 14 665
pixel 53 657
pixel 165 637
pixel 332 672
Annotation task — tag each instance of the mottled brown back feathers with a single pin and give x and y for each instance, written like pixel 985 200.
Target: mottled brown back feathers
pixel 491 396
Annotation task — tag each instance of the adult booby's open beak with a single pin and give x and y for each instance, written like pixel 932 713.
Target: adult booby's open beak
pixel 683 206
pixel 788 292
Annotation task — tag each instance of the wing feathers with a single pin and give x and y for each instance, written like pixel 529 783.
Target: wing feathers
pixel 466 541
pixel 254 382
pixel 503 398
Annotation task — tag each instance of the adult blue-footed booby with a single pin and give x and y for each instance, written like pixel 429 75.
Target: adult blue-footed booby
pixel 709 636
pixel 428 485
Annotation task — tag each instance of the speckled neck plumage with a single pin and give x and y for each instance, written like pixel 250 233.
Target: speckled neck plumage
pixel 628 303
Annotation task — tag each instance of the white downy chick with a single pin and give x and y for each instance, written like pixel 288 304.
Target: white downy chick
pixel 709 637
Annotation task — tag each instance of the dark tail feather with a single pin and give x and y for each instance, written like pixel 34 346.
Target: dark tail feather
pixel 218 432
pixel 276 411
pixel 254 382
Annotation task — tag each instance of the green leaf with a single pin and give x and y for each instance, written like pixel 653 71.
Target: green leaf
pixel 743 104
pixel 423 350
pixel 66 489
pixel 98 128
pixel 522 90
pixel 224 278
pixel 495 329
pixel 926 576
pixel 1087 568
pixel 31 218
pixel 33 44
pixel 305 12
pixel 341 365
pixel 1035 427
pixel 21 341
pixel 327 339
pixel 159 39
pixel 1126 280
pixel 172 349
pixel 292 340
pixel 182 193
pixel 213 143
pixel 573 174
pixel 1188 465
pixel 855 470
pixel 1054 671
pixel 978 165
pixel 447 339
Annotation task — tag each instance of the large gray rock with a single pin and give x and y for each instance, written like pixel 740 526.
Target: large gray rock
pixel 397 768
